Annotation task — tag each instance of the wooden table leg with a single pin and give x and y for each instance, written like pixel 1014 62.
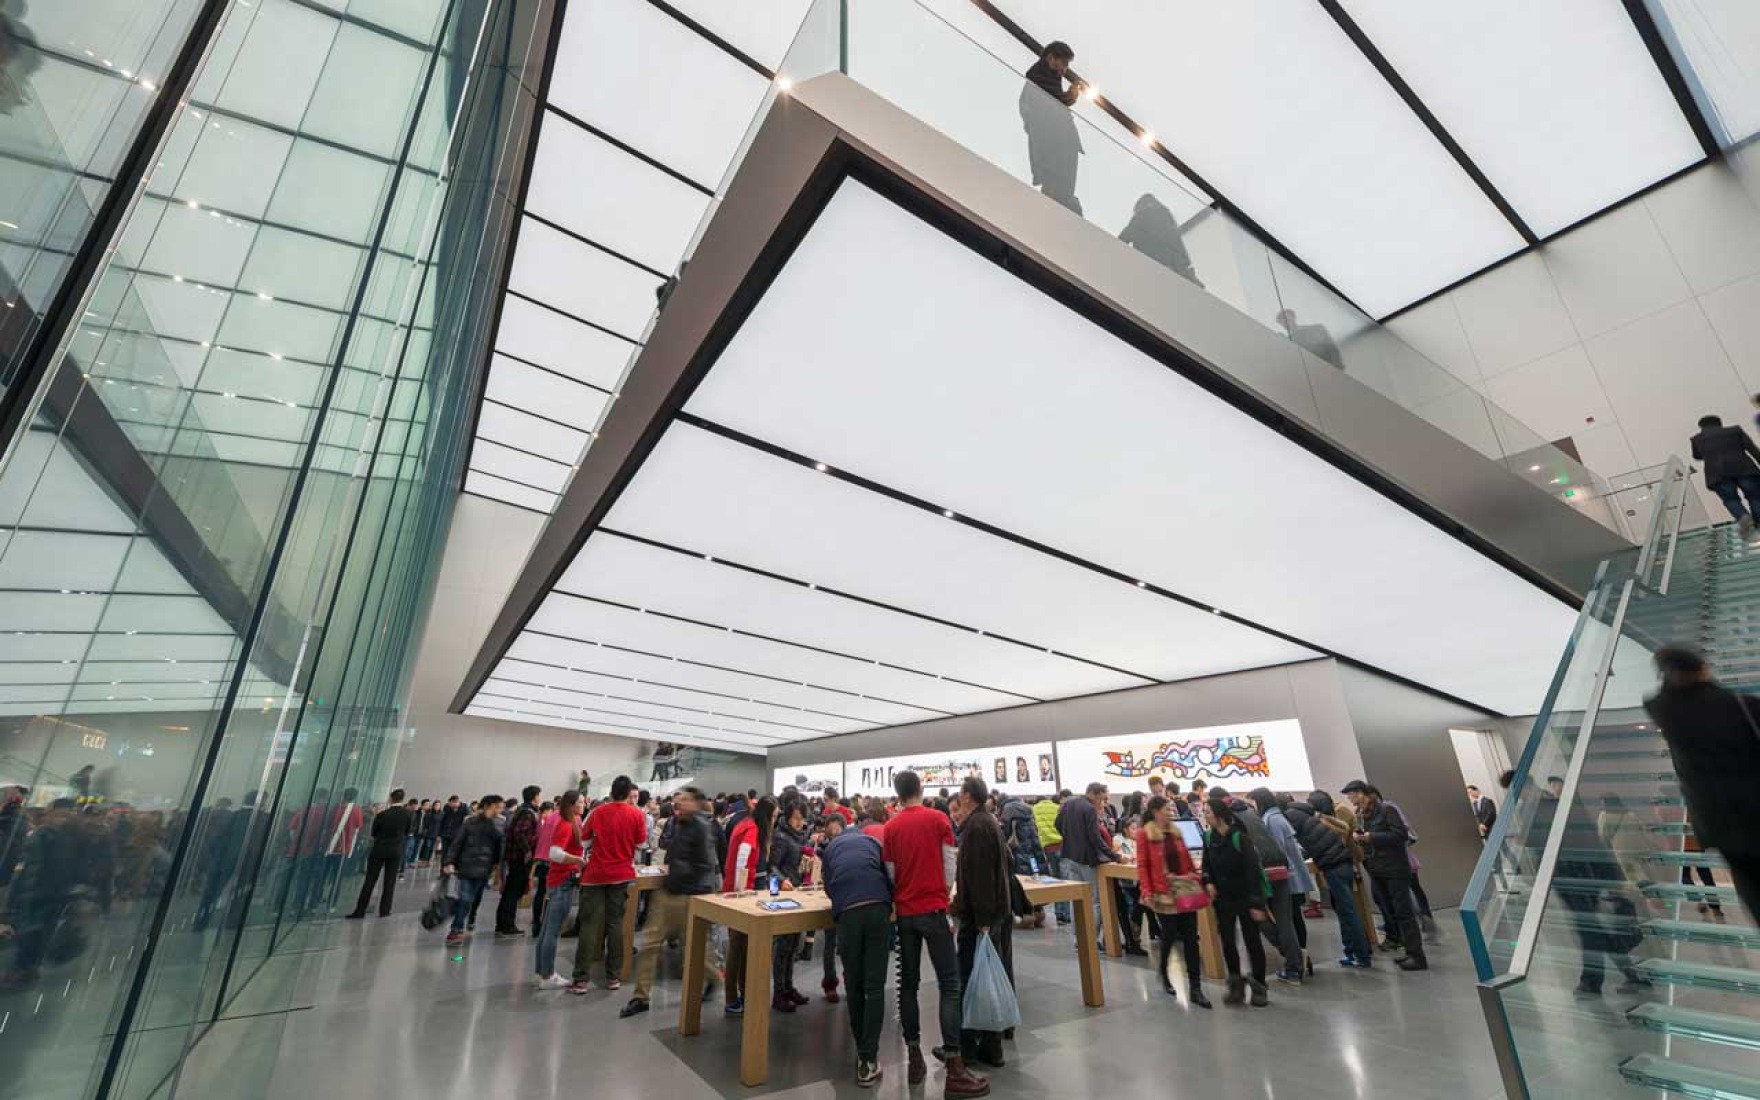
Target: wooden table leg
pixel 754 1050
pixel 696 943
pixel 1210 945
pixel 629 930
pixel 1088 954
pixel 1109 918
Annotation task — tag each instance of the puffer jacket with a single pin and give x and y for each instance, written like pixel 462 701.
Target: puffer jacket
pixel 1325 847
pixel 786 849
pixel 1388 838
pixel 1022 834
pixel 477 848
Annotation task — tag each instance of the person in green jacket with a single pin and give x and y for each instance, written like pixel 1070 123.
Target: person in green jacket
pixel 1045 817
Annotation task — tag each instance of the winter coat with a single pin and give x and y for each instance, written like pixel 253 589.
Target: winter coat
pixel 1712 736
pixel 1153 877
pixel 1388 838
pixel 981 874
pixel 1021 832
pixel 1232 865
pixel 1323 845
pixel 476 850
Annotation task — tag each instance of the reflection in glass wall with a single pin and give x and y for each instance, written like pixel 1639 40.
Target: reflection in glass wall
pixel 219 530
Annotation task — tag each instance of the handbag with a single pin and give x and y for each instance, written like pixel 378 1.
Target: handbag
pixel 1277 872
pixel 1185 891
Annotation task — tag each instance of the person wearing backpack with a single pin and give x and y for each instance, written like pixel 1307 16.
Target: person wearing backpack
pixel 472 857
pixel 1384 835
pixel 1290 933
pixel 1165 874
pixel 1332 858
pixel 1280 912
pixel 1234 877
pixel 1026 855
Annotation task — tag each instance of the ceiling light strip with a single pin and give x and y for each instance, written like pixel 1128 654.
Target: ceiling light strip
pixel 816 587
pixel 722 628
pixel 649 702
pixel 625 714
pixel 552 719
pixel 752 699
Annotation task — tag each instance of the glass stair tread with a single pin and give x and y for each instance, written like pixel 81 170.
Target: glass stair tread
pixel 1670 890
pixel 1728 935
pixel 1686 859
pixel 1699 1082
pixel 1727 979
pixel 1630 777
pixel 1710 1027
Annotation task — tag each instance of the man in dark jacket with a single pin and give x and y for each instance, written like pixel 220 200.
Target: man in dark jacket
pixel 1713 735
pixel 1332 858
pixel 390 827
pixel 451 820
pixel 1384 836
pixel 1054 147
pixel 861 903
pixel 1730 470
pixel 1155 232
pixel 516 877
pixel 1086 845
pixel 691 869
pixel 981 902
pixel 1484 811
pixel 472 857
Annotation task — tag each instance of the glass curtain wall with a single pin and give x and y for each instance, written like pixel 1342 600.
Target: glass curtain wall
pixel 220 528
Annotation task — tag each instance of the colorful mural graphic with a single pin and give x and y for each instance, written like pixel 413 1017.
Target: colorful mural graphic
pixel 1221 757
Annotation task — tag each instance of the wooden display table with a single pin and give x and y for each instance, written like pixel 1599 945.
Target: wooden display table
pixel 742 913
pixel 647 878
pixel 1049 891
pixel 1209 940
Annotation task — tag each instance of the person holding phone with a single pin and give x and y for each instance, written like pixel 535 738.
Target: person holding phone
pixel 1234 877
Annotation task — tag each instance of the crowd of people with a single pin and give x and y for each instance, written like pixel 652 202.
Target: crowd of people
pixel 917 875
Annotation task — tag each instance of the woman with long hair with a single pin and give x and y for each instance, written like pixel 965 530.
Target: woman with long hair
pixel 747 855
pixel 1235 880
pixel 1165 872
pixel 564 856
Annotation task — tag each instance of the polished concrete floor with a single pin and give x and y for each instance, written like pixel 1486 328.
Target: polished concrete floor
pixel 394 1013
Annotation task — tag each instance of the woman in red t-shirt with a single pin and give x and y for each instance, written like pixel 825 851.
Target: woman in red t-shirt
pixel 748 851
pixel 561 884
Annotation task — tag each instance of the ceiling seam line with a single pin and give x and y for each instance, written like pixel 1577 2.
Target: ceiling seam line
pixel 740 672
pixel 628 149
pixel 576 235
pixel 504 477
pixel 500 500
pixel 531 454
pixel 694 691
pixel 560 312
pixel 540 416
pixel 714 39
pixel 1656 44
pixel 796 645
pixel 524 362
pixel 1160 148
pixel 992 530
pixel 625 714
pixel 1378 60
pixel 867 601
pixel 725 741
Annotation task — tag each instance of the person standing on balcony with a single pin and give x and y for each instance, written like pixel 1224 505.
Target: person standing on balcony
pixel 1713 735
pixel 1054 147
pixel 1314 339
pixel 1730 470
pixel 1155 232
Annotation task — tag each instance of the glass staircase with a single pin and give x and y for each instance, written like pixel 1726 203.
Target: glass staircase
pixel 1613 961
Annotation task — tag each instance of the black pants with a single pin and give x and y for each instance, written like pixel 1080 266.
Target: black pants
pixel 1419 896
pixel 862 936
pixel 929 930
pixel 783 949
pixel 377 864
pixel 1181 927
pixel 1229 916
pixel 1124 902
pixel 1395 897
pixel 1705 879
pixel 1002 936
pixel 513 887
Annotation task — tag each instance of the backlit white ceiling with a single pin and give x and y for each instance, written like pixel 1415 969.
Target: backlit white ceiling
pixel 858 522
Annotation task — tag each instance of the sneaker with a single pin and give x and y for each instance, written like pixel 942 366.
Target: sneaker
pixel 580 989
pixel 454 937
pixel 1134 949
pixel 867 1073
pixel 613 984
pixel 1349 960
pixel 782 1003
pixel 634 1008
pixel 554 981
pixel 503 933
pixel 1290 977
pixel 736 1006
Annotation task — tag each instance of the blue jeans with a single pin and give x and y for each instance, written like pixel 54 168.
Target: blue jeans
pixel 1054 867
pixel 469 890
pixel 558 904
pixel 1750 488
pixel 409 850
pixel 1081 872
pixel 1341 888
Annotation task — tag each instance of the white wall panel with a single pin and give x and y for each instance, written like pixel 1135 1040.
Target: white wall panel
pixel 495 488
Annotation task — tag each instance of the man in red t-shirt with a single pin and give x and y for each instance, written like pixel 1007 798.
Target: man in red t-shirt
pixel 919 851
pixel 833 806
pixel 615 829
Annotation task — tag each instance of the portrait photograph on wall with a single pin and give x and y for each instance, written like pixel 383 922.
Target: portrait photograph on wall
pixel 1237 757
pixel 1017 769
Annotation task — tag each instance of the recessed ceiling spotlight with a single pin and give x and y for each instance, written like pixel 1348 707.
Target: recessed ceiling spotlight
pixel 947 513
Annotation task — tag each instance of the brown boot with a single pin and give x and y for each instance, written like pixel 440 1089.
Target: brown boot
pixel 917 1069
pixel 962 1083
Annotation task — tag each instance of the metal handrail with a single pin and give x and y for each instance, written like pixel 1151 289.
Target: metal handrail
pixel 1527 938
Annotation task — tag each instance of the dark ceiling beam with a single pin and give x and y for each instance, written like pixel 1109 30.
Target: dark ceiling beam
pixel 1159 147
pixel 1657 43
pixel 1360 39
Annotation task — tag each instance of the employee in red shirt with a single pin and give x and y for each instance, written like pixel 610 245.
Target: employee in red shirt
pixel 833 806
pixel 616 829
pixel 920 853
pixel 564 855
pixel 748 852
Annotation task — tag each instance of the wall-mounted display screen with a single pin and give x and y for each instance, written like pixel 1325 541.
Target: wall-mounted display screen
pixel 807 778
pixel 1017 769
pixel 1239 757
